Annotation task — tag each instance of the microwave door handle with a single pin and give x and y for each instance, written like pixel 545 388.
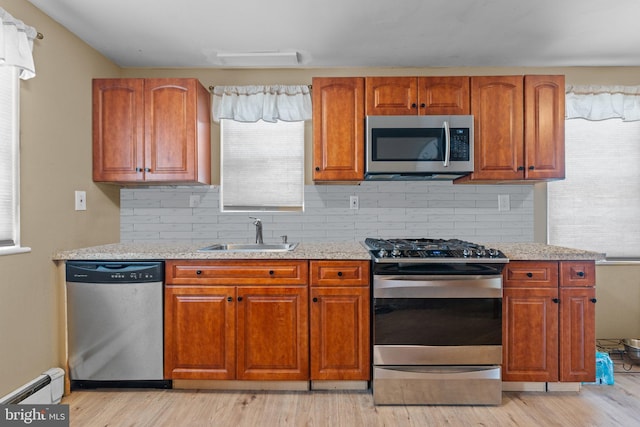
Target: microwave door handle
pixel 447 139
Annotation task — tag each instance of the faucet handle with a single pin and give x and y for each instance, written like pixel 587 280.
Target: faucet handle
pixel 284 238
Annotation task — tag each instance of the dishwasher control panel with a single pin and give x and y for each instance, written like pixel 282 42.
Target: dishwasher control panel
pixel 115 272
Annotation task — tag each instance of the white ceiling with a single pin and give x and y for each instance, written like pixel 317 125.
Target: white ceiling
pixel 365 33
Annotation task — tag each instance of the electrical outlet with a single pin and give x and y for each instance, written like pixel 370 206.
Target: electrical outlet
pixel 81 200
pixel 354 203
pixel 194 201
pixel 504 204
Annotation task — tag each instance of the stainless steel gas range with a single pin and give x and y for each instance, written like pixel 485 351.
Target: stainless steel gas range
pixel 437 322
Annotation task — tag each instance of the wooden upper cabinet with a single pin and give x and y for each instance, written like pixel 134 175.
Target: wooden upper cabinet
pixel 391 96
pixel 118 129
pixel 443 95
pixel 544 127
pixel 338 129
pixel 497 105
pixel 417 95
pixel 151 130
pixel 518 128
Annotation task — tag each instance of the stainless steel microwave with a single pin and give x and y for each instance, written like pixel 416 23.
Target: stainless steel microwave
pixel 418 147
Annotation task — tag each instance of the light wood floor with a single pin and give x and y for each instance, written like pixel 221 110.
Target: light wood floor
pixel 595 405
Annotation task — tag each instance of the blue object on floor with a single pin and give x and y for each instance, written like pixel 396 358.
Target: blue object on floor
pixel 604 369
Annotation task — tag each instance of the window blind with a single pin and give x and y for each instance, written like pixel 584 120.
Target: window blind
pixel 9 110
pixel 262 166
pixel 597 206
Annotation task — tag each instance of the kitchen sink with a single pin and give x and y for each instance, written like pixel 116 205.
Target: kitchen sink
pixel 250 247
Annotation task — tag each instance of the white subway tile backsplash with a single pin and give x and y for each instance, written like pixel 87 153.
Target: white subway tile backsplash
pixel 386 209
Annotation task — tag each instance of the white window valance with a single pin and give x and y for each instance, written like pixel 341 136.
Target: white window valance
pixel 16 45
pixel 603 102
pixel 268 103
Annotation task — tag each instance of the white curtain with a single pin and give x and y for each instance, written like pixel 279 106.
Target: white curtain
pixel 603 102
pixel 16 44
pixel 267 103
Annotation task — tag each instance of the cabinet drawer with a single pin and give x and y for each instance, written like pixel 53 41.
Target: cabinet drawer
pixel 339 273
pixel 237 272
pixel 577 273
pixel 531 274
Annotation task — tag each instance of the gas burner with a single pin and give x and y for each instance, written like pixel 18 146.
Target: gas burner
pixel 431 250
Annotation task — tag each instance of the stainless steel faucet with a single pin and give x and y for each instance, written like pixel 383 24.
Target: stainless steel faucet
pixel 258 224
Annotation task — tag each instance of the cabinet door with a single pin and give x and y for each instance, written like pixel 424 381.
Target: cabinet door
pixel 273 333
pixel 199 332
pixel 391 96
pixel 340 334
pixel 118 130
pixel 577 335
pixel 338 129
pixel 443 95
pixel 530 334
pixel 497 106
pixel 544 127
pixel 170 129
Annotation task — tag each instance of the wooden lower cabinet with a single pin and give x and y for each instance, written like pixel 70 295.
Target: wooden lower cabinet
pixel 530 338
pixel 340 334
pixel 549 321
pixel 577 334
pixel 224 332
pixel 272 333
pixel 200 332
pixel 252 320
pixel 339 319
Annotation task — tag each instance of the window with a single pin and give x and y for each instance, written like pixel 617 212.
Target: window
pixel 262 166
pixel 597 207
pixel 16 62
pixel 9 161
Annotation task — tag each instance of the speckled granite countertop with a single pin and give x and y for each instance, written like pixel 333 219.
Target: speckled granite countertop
pixel 542 252
pixel 335 250
pixel 160 251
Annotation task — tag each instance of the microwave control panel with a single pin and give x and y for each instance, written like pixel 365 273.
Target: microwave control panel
pixel 459 144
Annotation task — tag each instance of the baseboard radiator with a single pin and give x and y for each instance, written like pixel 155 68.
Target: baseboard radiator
pixel 46 389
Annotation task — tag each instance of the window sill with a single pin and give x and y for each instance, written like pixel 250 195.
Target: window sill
pixel 11 250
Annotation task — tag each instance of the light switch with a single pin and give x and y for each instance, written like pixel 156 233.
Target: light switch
pixel 81 200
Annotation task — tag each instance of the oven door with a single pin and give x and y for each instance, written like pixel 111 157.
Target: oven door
pixel 437 320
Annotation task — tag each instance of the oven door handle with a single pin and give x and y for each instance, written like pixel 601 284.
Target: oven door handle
pixel 409 286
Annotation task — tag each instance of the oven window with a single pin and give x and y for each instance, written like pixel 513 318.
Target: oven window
pixel 438 321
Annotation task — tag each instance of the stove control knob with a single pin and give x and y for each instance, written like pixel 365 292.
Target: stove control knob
pixel 480 252
pixel 467 252
pixel 383 253
pixel 396 252
pixel 493 253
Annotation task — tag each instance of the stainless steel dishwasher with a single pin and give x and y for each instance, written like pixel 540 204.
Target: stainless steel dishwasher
pixel 115 324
